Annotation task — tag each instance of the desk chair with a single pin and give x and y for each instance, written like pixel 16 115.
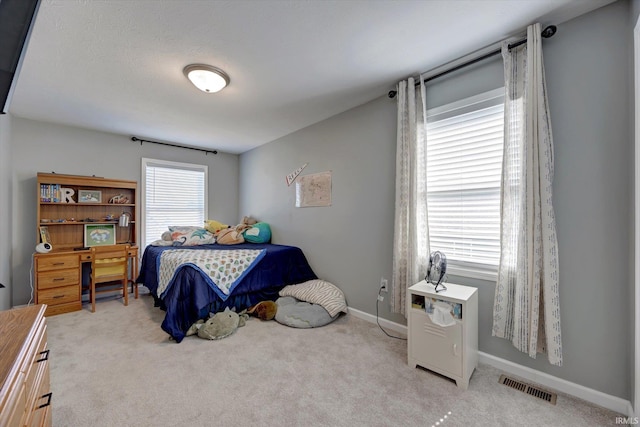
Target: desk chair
pixel 109 264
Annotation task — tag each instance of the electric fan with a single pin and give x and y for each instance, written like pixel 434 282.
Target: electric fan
pixel 437 270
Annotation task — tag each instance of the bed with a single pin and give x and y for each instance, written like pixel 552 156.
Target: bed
pixel 189 295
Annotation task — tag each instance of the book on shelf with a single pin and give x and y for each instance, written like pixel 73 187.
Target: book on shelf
pixel 50 193
pixel 44 235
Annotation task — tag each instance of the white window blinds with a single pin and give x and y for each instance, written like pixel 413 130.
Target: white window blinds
pixel 464 164
pixel 173 194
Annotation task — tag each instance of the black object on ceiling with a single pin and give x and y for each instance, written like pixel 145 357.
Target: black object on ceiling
pixel 16 19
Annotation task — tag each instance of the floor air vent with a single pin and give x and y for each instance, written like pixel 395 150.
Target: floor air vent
pixel 529 389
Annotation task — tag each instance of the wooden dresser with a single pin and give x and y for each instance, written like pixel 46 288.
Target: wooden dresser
pixel 25 397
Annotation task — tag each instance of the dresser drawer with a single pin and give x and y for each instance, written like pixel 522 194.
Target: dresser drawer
pixel 58 278
pixel 24 371
pixel 14 408
pixel 57 262
pixel 53 310
pixel 41 399
pixel 40 358
pixel 59 295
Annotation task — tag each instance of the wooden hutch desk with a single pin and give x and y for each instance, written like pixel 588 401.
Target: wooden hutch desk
pixel 58 278
pixel 66 204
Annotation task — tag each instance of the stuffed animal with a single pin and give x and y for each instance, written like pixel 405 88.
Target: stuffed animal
pixel 265 310
pixel 220 325
pixel 248 220
pixel 214 226
pixel 229 236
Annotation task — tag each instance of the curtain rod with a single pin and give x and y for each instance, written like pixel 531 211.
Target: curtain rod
pixel 206 152
pixel 546 33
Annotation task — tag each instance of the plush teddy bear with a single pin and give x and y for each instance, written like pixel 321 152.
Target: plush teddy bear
pixel 247 223
pixel 218 326
pixel 248 220
pixel 265 310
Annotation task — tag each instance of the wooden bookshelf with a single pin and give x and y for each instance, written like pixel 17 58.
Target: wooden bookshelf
pixel 65 220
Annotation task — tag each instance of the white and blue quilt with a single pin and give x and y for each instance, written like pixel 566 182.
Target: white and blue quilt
pixel 221 269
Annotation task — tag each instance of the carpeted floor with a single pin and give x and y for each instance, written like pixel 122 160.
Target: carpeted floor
pixel 116 367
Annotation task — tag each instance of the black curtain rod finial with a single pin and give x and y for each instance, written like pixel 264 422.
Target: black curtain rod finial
pixel 392 93
pixel 549 31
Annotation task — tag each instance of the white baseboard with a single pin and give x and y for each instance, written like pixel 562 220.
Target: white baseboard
pixel 596 397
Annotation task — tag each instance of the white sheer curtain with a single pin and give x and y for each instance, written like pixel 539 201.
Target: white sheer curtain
pixel 526 306
pixel 411 231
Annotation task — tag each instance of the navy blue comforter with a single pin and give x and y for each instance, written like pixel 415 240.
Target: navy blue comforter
pixel 190 298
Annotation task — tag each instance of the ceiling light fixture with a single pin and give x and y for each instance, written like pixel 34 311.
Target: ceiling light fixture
pixel 206 78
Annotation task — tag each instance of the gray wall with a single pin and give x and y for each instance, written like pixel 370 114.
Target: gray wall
pixel 44 147
pixel 5 212
pixel 350 242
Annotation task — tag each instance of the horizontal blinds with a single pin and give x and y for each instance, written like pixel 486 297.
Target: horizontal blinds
pixel 173 196
pixel 464 163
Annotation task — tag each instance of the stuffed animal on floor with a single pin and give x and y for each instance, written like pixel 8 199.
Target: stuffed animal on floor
pixel 265 310
pixel 220 325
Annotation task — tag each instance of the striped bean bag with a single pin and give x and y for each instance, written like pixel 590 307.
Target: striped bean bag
pixel 320 292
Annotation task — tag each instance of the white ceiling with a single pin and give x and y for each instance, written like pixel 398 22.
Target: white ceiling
pixel 116 65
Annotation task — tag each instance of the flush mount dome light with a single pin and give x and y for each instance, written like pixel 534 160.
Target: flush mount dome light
pixel 206 78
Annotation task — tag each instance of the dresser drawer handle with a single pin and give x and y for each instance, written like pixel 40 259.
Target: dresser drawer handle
pixel 58 263
pixel 48 396
pixel 57 279
pixel 58 296
pixel 46 356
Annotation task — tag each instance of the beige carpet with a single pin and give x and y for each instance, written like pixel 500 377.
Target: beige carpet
pixel 116 367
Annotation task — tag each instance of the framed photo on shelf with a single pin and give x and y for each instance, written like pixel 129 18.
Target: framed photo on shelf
pixel 89 196
pixel 99 235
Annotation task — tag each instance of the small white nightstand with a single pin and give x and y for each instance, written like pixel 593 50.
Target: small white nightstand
pixel 448 350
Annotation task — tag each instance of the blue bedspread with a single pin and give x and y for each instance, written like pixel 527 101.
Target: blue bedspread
pixel 191 298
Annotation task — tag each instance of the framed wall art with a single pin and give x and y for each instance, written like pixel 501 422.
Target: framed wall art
pixel 99 235
pixel 89 196
pixel 314 190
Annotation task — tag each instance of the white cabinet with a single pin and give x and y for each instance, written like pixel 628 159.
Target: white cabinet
pixel 451 351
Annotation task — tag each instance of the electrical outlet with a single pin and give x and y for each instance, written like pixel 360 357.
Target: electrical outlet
pixel 384 285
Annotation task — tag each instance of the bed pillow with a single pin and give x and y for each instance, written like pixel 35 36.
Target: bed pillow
pixel 301 314
pixel 318 292
pixel 259 232
pixel 190 236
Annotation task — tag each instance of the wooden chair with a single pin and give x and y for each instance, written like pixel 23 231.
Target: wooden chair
pixel 109 264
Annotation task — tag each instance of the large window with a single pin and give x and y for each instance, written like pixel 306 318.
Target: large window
pixel 464 164
pixel 172 194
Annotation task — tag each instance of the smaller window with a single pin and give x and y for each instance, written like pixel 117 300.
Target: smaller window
pixel 464 165
pixel 172 194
